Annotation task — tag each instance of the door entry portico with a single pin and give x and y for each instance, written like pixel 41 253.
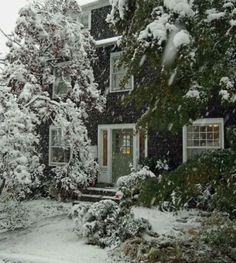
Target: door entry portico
pixel 118 149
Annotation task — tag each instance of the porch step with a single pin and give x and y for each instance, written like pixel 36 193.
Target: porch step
pixel 96 194
pixel 100 191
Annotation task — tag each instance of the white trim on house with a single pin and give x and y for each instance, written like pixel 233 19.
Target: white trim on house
pixel 50 162
pixel 204 122
pixel 95 4
pixel 106 172
pixel 112 55
pixel 107 41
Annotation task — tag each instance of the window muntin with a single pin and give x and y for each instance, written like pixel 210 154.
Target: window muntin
pixel 62 83
pixel 85 19
pixel 117 74
pixel 203 135
pixel 59 147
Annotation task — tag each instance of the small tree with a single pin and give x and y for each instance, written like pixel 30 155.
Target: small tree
pixel 49 50
pixel 188 50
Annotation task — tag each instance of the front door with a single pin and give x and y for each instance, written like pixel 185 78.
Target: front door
pixel 122 152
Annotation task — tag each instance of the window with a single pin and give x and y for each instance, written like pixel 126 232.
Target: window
pixel 59 148
pixel 62 83
pixel 85 19
pixel 123 142
pixel 202 135
pixel 104 148
pixel 117 74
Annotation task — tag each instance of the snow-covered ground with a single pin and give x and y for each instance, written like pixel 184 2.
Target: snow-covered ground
pixel 50 237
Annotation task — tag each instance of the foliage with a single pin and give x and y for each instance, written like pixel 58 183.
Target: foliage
pixel 13 215
pixel 206 181
pixel 156 165
pixel 130 185
pixel 105 224
pixel 189 72
pixel 231 137
pixel 219 232
pixel 20 168
pixel 49 40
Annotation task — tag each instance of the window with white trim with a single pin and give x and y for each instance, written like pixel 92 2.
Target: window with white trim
pixel 62 83
pixel 117 74
pixel 59 147
pixel 85 19
pixel 201 136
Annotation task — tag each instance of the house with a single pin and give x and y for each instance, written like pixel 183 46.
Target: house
pixel 116 143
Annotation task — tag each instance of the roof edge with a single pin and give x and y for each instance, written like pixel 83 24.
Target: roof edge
pixel 95 4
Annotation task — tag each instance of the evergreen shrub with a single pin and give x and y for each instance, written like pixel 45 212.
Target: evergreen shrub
pixel 206 181
pixel 105 223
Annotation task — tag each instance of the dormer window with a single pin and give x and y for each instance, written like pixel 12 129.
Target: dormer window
pixel 117 74
pixel 85 19
pixel 62 83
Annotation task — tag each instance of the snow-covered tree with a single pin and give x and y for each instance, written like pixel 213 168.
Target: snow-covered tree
pixel 184 51
pixel 49 71
pixel 20 170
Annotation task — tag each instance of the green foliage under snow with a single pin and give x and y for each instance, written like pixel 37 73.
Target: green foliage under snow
pixel 207 181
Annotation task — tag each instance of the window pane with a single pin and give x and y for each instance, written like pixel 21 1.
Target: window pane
pixel 193 152
pixel 56 137
pixel 84 19
pixel 60 155
pixel 61 85
pixel 104 147
pixel 201 138
pixel 142 144
pixel 117 75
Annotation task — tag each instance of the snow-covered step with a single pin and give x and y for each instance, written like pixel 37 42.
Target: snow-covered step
pixel 100 191
pixel 95 198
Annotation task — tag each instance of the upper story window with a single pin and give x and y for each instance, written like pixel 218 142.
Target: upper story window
pixel 202 135
pixel 117 74
pixel 59 147
pixel 85 19
pixel 62 83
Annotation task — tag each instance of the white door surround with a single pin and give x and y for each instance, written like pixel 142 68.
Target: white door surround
pixel 106 171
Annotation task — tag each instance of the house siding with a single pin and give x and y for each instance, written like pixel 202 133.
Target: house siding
pixel 100 29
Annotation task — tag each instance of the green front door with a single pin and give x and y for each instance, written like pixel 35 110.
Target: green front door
pixel 122 152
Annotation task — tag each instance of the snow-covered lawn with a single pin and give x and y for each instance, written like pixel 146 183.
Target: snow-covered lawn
pixel 50 237
pixel 50 240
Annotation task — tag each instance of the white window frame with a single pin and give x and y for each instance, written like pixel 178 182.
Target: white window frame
pixel 112 55
pixel 89 19
pixel 50 162
pixel 204 122
pixel 54 96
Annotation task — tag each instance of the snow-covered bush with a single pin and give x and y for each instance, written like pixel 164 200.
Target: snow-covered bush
pixel 20 169
pixel 130 185
pixel 13 215
pixel 105 223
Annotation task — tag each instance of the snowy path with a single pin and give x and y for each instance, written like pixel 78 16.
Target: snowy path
pixel 50 241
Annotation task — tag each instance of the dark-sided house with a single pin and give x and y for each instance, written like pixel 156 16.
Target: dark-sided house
pixel 115 142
